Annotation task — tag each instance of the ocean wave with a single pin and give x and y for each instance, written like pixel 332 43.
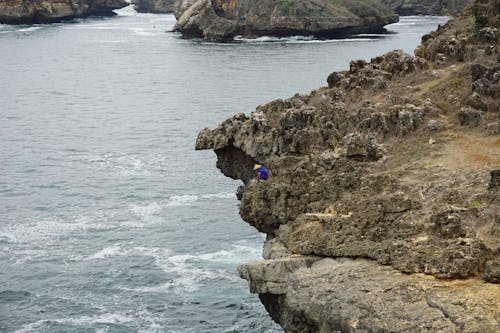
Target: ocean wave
pixel 48 230
pixel 237 255
pixel 105 318
pixel 125 165
pixel 150 211
pixel 188 199
pixel 34 28
pixel 181 200
pixel 297 40
pixel 111 251
pixel 187 272
pixel 5 28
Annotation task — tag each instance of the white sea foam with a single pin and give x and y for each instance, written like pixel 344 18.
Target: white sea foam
pixel 181 200
pixel 34 28
pixel 126 11
pixel 151 213
pixel 187 199
pixel 48 230
pixel 111 251
pixel 237 255
pixel 146 212
pixel 145 32
pixel 297 40
pixel 105 318
pixel 220 195
pixel 192 271
pixel 122 165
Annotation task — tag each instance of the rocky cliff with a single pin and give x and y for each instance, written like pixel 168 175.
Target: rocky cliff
pixel 154 6
pixel 426 7
pixel 221 20
pixel 47 11
pixel 382 210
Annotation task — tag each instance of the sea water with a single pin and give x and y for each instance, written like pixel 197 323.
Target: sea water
pixel 109 220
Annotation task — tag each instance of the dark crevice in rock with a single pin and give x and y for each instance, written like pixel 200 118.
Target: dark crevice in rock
pixel 234 163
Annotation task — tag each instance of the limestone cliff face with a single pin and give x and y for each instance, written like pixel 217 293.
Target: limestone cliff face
pixel 154 6
pixel 47 11
pixel 426 7
pixel 224 19
pixel 382 210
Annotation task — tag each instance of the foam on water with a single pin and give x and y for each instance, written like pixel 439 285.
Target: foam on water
pixel 150 212
pixel 115 250
pixel 106 318
pixel 124 165
pixel 181 200
pixel 298 40
pixel 237 255
pixel 187 272
pixel 46 231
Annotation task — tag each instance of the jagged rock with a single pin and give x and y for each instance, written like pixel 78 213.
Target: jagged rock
pixel 495 179
pixel 486 80
pixel 434 125
pixel 154 6
pixel 388 235
pixel 492 271
pixel 354 175
pixel 359 146
pixel 47 11
pixel 221 20
pixel 476 101
pixel 469 117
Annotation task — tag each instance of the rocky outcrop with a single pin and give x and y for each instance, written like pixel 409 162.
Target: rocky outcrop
pixel 221 20
pixel 357 295
pixel 382 209
pixel 154 6
pixel 47 11
pixel 426 7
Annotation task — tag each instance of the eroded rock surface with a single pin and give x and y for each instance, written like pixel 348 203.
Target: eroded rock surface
pixel 154 6
pixel 47 11
pixel 346 295
pixel 426 7
pixel 382 209
pixel 222 20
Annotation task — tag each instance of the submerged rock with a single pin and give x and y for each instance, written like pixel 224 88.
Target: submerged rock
pixel 47 11
pixel 371 228
pixel 221 20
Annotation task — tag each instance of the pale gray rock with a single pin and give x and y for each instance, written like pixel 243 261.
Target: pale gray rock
pixel 343 295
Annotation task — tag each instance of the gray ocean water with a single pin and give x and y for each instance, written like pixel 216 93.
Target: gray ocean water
pixel 109 220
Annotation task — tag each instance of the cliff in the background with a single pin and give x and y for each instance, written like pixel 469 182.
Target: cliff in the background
pixel 221 20
pixel 154 6
pixel 47 11
pixel 426 7
pixel 382 210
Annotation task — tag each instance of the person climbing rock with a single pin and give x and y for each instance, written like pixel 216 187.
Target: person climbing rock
pixel 261 173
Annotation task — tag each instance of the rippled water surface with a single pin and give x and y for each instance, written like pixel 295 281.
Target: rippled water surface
pixel 109 220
